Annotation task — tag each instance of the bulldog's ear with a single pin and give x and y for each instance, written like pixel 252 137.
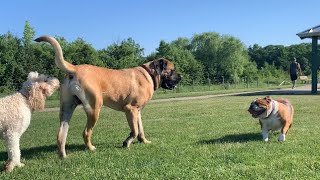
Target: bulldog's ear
pixel 268 99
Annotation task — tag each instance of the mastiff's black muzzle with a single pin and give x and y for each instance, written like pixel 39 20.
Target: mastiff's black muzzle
pixel 171 80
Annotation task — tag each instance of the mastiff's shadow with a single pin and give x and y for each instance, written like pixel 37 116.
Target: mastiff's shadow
pixel 234 138
pixel 33 152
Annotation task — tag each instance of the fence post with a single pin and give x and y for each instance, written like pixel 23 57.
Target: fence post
pixel 222 80
pixel 192 84
pixel 242 81
pixel 247 80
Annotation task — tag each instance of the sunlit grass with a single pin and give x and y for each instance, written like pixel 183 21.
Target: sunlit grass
pixel 200 139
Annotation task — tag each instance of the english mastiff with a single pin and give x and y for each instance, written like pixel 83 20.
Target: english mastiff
pixel 273 115
pixel 126 90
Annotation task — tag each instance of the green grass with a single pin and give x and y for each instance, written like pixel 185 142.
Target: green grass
pixel 200 139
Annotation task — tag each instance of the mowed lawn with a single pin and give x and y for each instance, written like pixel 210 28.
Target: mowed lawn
pixel 214 138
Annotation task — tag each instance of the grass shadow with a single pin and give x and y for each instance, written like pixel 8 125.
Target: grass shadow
pixel 234 138
pixel 37 151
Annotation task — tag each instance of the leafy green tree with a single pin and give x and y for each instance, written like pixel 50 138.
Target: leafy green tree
pixel 277 55
pixel 257 54
pixel 205 55
pixel 232 57
pixel 27 57
pixel 251 71
pixel 205 49
pixel 80 52
pixel 177 51
pixel 10 65
pixel 269 73
pixel 280 56
pixel 221 55
pixel 28 34
pixel 124 55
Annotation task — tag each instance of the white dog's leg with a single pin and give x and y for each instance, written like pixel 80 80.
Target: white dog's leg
pixel 12 141
pixel 62 137
pixel 67 107
pixel 282 137
pixel 65 116
pixel 265 134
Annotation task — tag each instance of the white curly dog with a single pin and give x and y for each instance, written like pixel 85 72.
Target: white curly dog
pixel 16 109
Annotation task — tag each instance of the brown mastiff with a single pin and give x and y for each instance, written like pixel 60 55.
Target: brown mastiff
pixel 126 90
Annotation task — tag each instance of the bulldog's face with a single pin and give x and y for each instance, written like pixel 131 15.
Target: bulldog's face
pixel 169 78
pixel 258 108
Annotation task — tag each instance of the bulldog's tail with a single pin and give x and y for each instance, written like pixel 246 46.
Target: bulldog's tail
pixel 59 60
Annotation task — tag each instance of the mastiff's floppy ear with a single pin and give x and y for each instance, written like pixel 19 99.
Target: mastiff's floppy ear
pixel 162 65
pixel 159 65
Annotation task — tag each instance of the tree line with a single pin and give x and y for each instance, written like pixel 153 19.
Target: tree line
pixel 205 56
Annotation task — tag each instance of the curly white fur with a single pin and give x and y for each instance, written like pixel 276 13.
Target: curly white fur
pixel 16 109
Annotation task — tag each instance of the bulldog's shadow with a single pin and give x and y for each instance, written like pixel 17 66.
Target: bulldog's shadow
pixel 36 151
pixel 234 138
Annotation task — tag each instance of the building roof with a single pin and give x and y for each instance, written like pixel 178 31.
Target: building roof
pixel 309 33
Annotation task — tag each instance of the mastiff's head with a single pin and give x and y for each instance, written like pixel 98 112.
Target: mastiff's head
pixel 163 73
pixel 259 108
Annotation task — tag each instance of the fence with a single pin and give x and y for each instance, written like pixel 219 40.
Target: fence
pixel 209 85
pixel 243 83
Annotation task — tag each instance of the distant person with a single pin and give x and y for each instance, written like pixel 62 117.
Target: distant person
pixel 294 70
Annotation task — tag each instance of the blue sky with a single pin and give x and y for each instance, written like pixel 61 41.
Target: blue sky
pixel 103 22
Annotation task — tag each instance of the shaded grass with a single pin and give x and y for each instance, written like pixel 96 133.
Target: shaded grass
pixel 200 139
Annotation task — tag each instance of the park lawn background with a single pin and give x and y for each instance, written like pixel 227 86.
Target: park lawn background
pixel 197 139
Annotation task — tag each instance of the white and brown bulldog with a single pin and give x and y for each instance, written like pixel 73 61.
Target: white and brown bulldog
pixel 273 115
